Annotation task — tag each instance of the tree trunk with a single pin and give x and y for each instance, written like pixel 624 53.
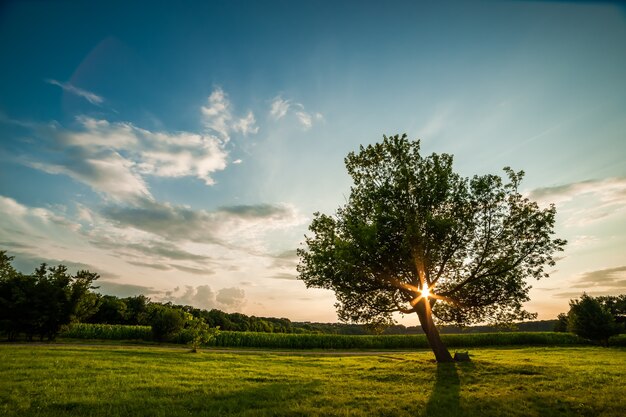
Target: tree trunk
pixel 432 334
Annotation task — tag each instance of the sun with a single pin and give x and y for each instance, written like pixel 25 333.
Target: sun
pixel 425 291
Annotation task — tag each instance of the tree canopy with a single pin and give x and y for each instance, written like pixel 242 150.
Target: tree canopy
pixel 591 319
pixel 416 237
pixel 43 302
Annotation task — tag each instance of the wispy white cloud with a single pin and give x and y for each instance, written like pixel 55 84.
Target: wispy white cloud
pixel 70 88
pixel 305 119
pixel 113 158
pixel 585 202
pixel 217 114
pixel 280 107
pixel 108 173
pixel 246 125
pixel 219 119
pixel 609 189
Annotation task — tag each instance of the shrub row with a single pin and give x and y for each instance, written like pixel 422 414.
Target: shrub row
pixel 333 341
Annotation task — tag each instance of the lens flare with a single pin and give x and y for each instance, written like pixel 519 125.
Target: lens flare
pixel 425 291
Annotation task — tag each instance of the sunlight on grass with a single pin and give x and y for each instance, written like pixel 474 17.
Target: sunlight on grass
pixel 150 381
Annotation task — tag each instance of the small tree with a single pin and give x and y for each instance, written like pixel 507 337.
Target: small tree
pixel 591 320
pixel 197 333
pixel 416 237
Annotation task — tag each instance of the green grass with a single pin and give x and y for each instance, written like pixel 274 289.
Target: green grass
pixel 49 380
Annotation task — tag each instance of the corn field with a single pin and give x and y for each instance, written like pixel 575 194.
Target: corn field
pixel 334 341
pixel 107 332
pixel 331 341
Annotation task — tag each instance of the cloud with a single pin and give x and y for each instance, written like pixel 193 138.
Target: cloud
pixel 160 267
pixel 305 119
pixel 110 174
pixel 246 125
pixel 193 270
pixel 204 297
pixel 165 251
pixel 608 281
pixel 585 202
pixel 609 190
pixel 87 95
pixel 200 297
pixel 285 259
pixel 123 290
pixel 217 113
pixel 609 277
pixel 30 226
pixel 285 276
pixel 177 223
pixel 219 119
pixel 233 298
pixel 280 107
pixel 114 158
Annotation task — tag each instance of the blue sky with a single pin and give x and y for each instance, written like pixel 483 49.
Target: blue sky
pixel 181 151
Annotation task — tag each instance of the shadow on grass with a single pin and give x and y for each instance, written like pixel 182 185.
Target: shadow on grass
pixel 256 398
pixel 445 398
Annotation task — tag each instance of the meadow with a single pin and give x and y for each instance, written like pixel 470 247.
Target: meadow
pixel 74 380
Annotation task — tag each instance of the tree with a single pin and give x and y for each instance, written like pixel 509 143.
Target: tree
pixel 589 319
pixel 416 237
pixel 166 322
pixel 137 309
pixel 111 310
pixel 198 333
pixel 43 302
pixel 16 295
pixel 562 322
pixel 616 305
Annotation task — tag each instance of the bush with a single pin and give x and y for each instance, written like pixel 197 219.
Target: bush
pixel 591 320
pixel 619 340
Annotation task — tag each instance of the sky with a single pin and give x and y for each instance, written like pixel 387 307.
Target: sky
pixel 181 151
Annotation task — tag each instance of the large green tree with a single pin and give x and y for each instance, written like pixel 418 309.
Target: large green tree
pixel 43 302
pixel 416 237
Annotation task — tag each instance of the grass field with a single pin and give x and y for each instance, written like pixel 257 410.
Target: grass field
pixel 49 380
